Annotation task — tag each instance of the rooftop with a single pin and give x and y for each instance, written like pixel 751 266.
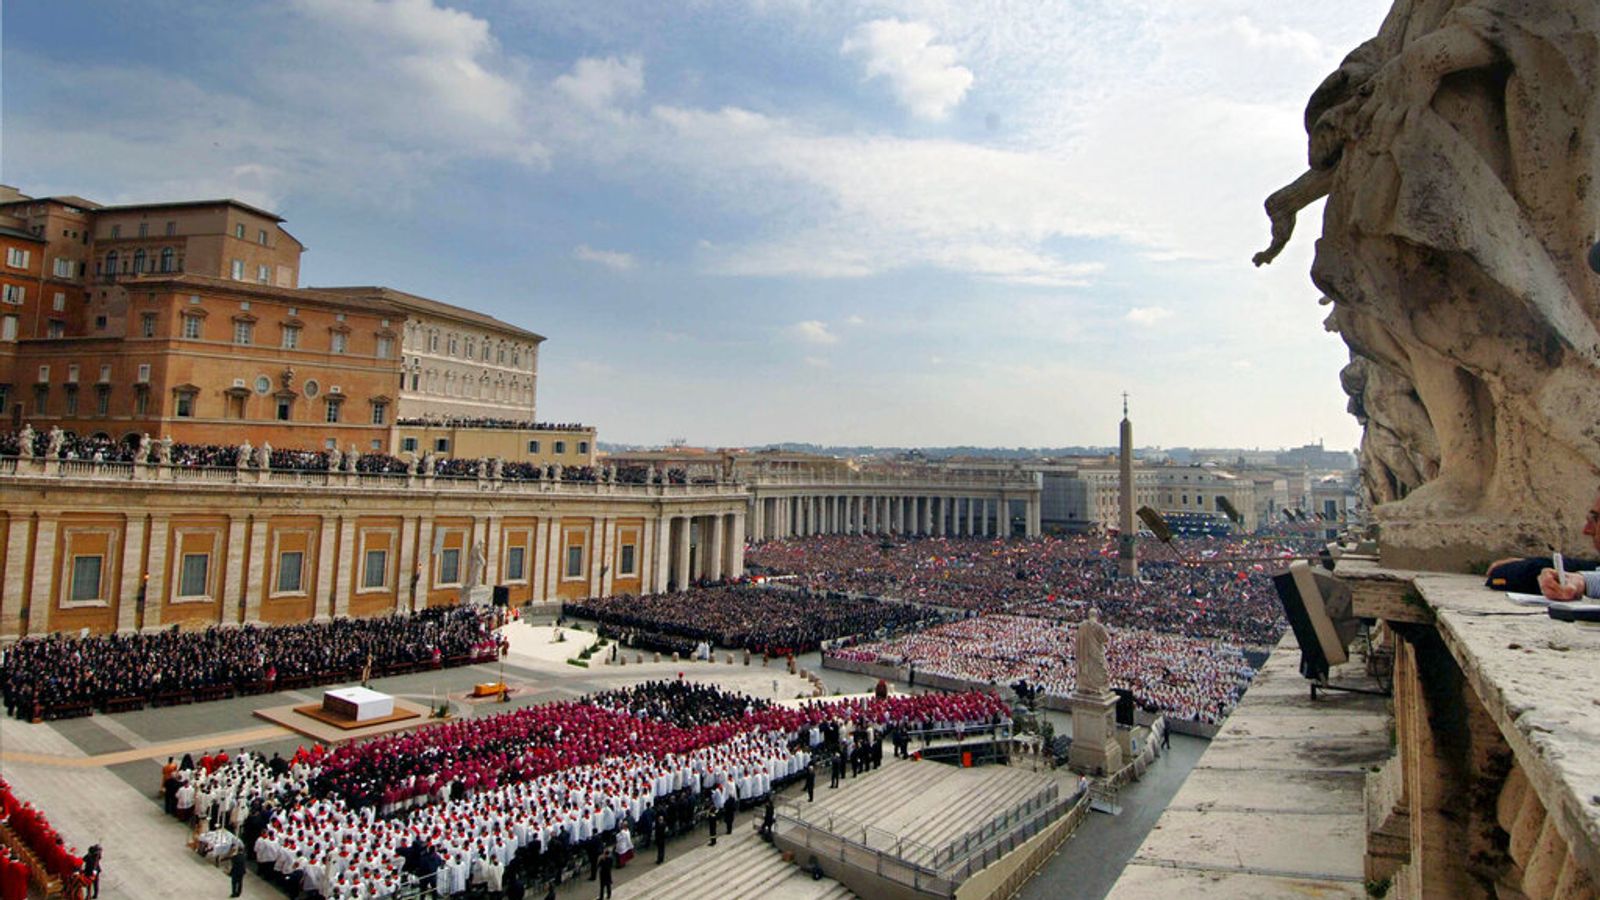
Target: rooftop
pixel 415 303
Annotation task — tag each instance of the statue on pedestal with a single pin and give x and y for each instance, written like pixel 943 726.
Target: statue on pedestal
pixel 25 441
pixel 57 438
pixel 351 457
pixel 264 456
pixel 335 458
pixel 141 453
pixel 476 564
pixel 242 458
pixel 166 450
pixel 1089 647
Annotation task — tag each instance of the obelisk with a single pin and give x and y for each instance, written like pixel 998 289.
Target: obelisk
pixel 1127 546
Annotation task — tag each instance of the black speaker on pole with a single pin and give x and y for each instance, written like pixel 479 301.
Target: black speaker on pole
pixel 1124 706
pixel 502 595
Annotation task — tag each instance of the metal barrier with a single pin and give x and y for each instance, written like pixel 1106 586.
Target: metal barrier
pixel 860 854
pixel 976 839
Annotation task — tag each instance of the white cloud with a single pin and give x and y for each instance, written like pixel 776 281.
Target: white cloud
pixel 923 75
pixel 854 320
pixel 812 331
pixel 1148 315
pixel 599 83
pixel 817 362
pixel 611 259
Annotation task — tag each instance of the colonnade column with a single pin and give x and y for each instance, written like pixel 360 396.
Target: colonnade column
pixel 713 555
pixel 736 547
pixel 680 552
pixel 663 556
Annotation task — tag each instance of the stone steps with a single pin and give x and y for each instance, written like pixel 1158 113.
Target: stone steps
pixel 741 865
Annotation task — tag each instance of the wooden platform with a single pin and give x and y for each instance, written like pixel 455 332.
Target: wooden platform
pixel 311 721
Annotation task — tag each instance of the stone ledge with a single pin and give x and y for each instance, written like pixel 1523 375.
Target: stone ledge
pixel 1538 679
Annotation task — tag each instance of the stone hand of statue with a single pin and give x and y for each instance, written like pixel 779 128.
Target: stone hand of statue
pixel 1568 587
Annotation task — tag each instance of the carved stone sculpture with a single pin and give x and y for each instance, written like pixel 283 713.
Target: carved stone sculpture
pixel 1458 151
pixel 166 450
pixel 1089 652
pixel 264 456
pixel 351 458
pixel 242 459
pixel 25 440
pixel 476 563
pixel 335 459
pixel 411 464
pixel 57 439
pixel 141 453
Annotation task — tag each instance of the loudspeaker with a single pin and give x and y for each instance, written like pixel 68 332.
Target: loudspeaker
pixel 502 595
pixel 1124 706
pixel 1318 608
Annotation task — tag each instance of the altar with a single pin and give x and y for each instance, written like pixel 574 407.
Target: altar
pixel 357 704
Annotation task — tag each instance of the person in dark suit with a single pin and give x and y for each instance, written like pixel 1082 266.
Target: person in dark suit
pixel 660 838
pixel 811 784
pixel 607 862
pixel 236 871
pixel 836 770
pixel 728 809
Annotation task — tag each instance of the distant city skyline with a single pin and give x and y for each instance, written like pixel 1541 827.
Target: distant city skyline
pixel 891 224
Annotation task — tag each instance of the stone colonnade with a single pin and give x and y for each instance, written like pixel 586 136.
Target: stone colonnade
pixel 805 513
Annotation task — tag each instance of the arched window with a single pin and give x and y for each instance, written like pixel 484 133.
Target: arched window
pixel 138 261
pixel 111 263
pixel 166 259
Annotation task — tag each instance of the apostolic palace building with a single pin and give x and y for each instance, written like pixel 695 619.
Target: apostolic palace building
pixel 185 324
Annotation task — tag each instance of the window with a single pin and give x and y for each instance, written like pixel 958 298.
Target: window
pixel 144 373
pixel 185 405
pixel 449 566
pixel 191 327
pixel 102 400
pixel 263 384
pixel 138 260
pixel 455 347
pixel 105 373
pixel 72 400
pixel 441 445
pixel 380 413
pixel 144 229
pixel 147 325
pixel 44 375
pixel 8 328
pixel 291 337
pixel 72 373
pixel 238 270
pixel 285 408
pixel 141 400
pixel 116 231
pixel 583 447
pixel 339 342
pixel 243 332
pixel 533 446
pixel 55 328
pixel 561 446
pixel 61 268
pixel 166 259
pixel 376 571
pixel 14 294
pixel 625 560
pixel 16 259
pixel 172 228
pixel 59 302
pixel 575 561
pixel 332 414
pixel 192 576
pixel 433 342
pixel 385 347
pixel 264 273
pixel 408 444
pixel 289 571
pixel 261 237
pixel 516 560
pixel 41 399
pixel 500 355
pixel 238 230
pixel 99 323
pixel 86 577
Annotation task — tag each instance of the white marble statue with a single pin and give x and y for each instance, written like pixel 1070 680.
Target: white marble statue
pixel 1089 651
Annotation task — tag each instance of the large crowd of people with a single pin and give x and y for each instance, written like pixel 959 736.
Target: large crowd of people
pixel 527 795
pixel 1203 597
pixel 60 859
pixel 489 422
pixel 1184 678
pixel 774 621
pixel 40 676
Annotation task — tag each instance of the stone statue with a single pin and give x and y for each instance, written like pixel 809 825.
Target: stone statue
pixel 141 453
pixel 1089 650
pixel 411 463
pixel 242 459
pixel 264 456
pixel 57 438
pixel 476 563
pixel 166 450
pixel 351 458
pixel 25 441
pixel 1457 150
pixel 495 466
pixel 335 458
pixel 427 462
pixel 555 474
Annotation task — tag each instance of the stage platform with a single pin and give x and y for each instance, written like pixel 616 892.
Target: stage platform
pixel 311 721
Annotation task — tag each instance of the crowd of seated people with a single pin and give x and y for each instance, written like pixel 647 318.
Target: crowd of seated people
pixel 41 677
pixel 60 859
pixel 543 788
pixel 777 622
pixel 488 422
pixel 1056 577
pixel 1185 678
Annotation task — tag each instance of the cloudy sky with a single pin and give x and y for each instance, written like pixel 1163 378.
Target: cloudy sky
pixel 904 223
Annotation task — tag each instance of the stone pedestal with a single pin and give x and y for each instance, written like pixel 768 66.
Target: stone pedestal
pixel 1095 748
pixel 482 595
